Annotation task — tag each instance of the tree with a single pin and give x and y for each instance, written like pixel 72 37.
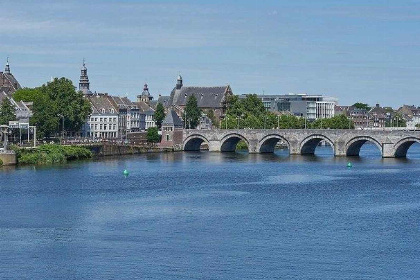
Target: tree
pixel 360 105
pixel 192 112
pixel 44 112
pixel 53 100
pixel 7 112
pixel 68 102
pixel 159 115
pixel 153 135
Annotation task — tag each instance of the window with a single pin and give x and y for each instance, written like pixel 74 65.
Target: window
pixel 167 137
pixel 101 120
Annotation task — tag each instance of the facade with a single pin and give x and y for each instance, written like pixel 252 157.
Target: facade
pixel 8 82
pixel 103 123
pixel 311 107
pixel 171 130
pixel 208 98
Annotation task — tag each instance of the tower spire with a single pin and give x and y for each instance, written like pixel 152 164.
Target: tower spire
pixel 84 79
pixel 7 69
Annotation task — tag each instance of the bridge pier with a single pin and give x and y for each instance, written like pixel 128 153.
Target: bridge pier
pixel 388 150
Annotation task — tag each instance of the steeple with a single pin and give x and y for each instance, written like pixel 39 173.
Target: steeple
pixel 84 79
pixel 145 95
pixel 7 69
pixel 179 82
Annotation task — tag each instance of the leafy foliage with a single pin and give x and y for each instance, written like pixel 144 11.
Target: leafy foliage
pixel 7 112
pixel 58 97
pixel 153 135
pixel 192 112
pixel 360 105
pixel 51 154
pixel 250 113
pixel 159 115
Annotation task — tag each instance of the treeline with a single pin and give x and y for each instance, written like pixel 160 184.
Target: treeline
pixel 53 102
pixel 250 113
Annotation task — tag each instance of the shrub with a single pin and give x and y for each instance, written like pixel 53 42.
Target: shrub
pixel 52 153
pixel 1 162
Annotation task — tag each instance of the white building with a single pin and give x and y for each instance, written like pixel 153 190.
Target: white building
pixel 103 122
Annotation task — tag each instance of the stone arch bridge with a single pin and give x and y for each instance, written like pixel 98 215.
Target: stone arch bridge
pixel 302 141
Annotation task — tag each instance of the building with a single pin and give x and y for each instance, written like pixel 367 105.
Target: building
pixel 411 114
pixel 171 130
pixel 8 82
pixel 84 84
pixel 208 98
pixel 22 110
pixel 103 123
pixel 311 107
pixel 144 101
pixel 377 117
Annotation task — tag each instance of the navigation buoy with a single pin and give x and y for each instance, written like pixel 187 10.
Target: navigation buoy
pixel 349 165
pixel 125 172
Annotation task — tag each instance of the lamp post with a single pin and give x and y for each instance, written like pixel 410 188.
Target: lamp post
pixel 278 121
pixel 62 129
pixel 238 120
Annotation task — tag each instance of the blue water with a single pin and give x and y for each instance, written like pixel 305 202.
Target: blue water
pixel 213 216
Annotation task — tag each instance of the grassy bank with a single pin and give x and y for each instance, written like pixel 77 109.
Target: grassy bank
pixel 51 154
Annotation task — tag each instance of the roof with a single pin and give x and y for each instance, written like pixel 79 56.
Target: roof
pixel 207 97
pixel 144 107
pixel 164 100
pixel 172 119
pixel 10 80
pixel 100 102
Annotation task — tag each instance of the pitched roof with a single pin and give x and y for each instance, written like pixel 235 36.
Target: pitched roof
pixel 144 107
pixel 12 82
pixel 207 97
pixel 164 100
pixel 172 119
pixel 100 102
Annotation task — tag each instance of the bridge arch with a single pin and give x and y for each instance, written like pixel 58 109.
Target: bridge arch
pixel 268 143
pixel 402 146
pixel 193 142
pixel 354 145
pixel 309 144
pixel 229 142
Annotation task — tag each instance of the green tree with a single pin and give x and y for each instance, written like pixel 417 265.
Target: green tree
pixel 360 105
pixel 44 112
pixel 212 117
pixel 192 112
pixel 153 135
pixel 68 103
pixel 159 115
pixel 7 112
pixel 336 122
pixel 53 100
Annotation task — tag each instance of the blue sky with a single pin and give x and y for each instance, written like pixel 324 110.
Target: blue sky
pixel 354 50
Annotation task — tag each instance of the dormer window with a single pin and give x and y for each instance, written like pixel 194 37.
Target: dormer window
pixel 103 111
pixel 112 111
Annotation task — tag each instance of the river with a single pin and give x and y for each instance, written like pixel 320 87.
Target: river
pixel 213 216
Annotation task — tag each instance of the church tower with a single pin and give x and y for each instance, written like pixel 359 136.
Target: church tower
pixel 145 95
pixel 179 82
pixel 7 69
pixel 84 79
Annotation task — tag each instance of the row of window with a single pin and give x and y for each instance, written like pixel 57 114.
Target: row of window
pixel 103 126
pixel 110 119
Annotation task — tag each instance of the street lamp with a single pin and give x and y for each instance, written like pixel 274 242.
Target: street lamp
pixel 62 130
pixel 278 121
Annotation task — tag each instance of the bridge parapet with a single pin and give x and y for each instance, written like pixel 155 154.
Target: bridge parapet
pixel 303 141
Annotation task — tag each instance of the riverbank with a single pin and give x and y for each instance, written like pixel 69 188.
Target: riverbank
pixel 58 154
